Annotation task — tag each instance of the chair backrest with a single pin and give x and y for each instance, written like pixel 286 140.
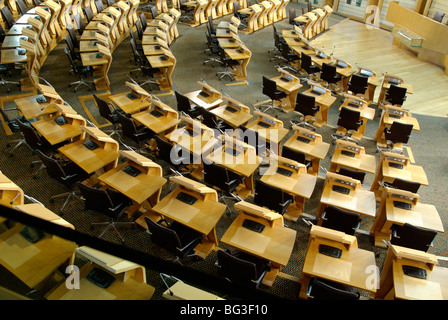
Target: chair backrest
pixel 401 184
pixel 399 132
pixel 128 126
pixel 96 199
pixel 269 87
pixel 217 176
pixel 7 17
pixel 413 237
pixel 323 291
pixel 349 119
pixel 183 103
pixel 103 108
pixel 355 174
pixel 31 136
pixel 88 13
pixel 292 15
pixel 99 5
pixel 236 8
pixel 328 70
pixel 163 237
pixel 71 32
pixel 52 166
pixel 79 23
pixel 209 118
pixel 153 10
pixel 269 196
pixel 210 25
pixel 143 20
pixel 71 47
pixel 293 154
pixel 358 84
pixel 341 220
pixel 22 6
pixel 110 2
pixel 438 16
pixel 236 270
pixel 72 62
pixel 396 95
pixel 2 34
pixel 139 28
pixel 306 104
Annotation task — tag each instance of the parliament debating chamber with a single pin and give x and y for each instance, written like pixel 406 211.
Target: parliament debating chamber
pixel 223 150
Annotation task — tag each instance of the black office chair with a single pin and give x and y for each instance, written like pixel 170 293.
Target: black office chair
pixel 241 16
pixel 306 107
pixel 145 68
pixel 395 96
pixel 225 180
pixel 36 142
pixel 6 70
pixel 143 21
pixel 185 107
pixel 109 112
pixel 413 237
pixel 291 18
pixel 320 289
pixel 252 138
pixel 341 220
pixel 110 2
pixel 99 5
pixel 402 185
pixel 76 55
pixel 153 11
pixel 15 128
pixel 176 238
pixel 139 135
pixel 139 29
pixel 398 133
pixel 21 5
pixel 81 71
pixel 438 16
pixel 278 39
pixel 212 49
pixel 296 155
pixel 269 88
pixel 349 120
pixel 138 45
pixel 109 202
pixel 2 34
pixel 289 57
pixel 228 63
pixel 210 26
pixel 187 11
pixel 7 16
pixel 242 268
pixel 66 173
pixel 88 13
pixel 355 174
pixel 211 120
pixel 80 24
pixel 329 75
pixel 307 64
pixel 272 197
pixel 74 38
pixel 178 159
pixel 357 84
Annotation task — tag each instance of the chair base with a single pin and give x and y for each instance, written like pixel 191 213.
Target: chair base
pixel 345 137
pixel 19 143
pixel 304 124
pixel 112 224
pixel 81 82
pixel 68 195
pixel 270 106
pixel 227 73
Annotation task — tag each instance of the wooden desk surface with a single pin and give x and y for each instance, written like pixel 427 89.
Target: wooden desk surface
pixel 298 184
pixel 235 119
pixel 56 133
pixel 228 43
pixel 157 125
pixel 361 161
pixel 138 188
pixel 130 289
pixel 350 269
pixel 152 50
pixel 33 262
pixel 12 41
pixel 88 46
pixel 274 243
pixel 235 54
pixel 287 86
pixel 196 145
pixel 39 211
pixel 210 102
pixel 129 105
pixel 16 29
pixel 365 111
pixel 244 163
pixel 272 134
pixel 316 149
pixel 422 215
pixel 410 173
pixel 322 99
pixel 13 56
pixel 202 216
pixel 157 62
pixel 360 200
pixel 406 118
pixel 89 160
pixel 91 59
pixel 30 108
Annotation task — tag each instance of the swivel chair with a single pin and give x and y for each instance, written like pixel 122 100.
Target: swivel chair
pixel 108 112
pixel 305 107
pixel 228 63
pixel 413 237
pixel 81 71
pixel 330 76
pixel 349 121
pixel 270 89
pixel 320 289
pixel 358 85
pixel 397 135
pixel 185 107
pixel 341 220
pixel 272 197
